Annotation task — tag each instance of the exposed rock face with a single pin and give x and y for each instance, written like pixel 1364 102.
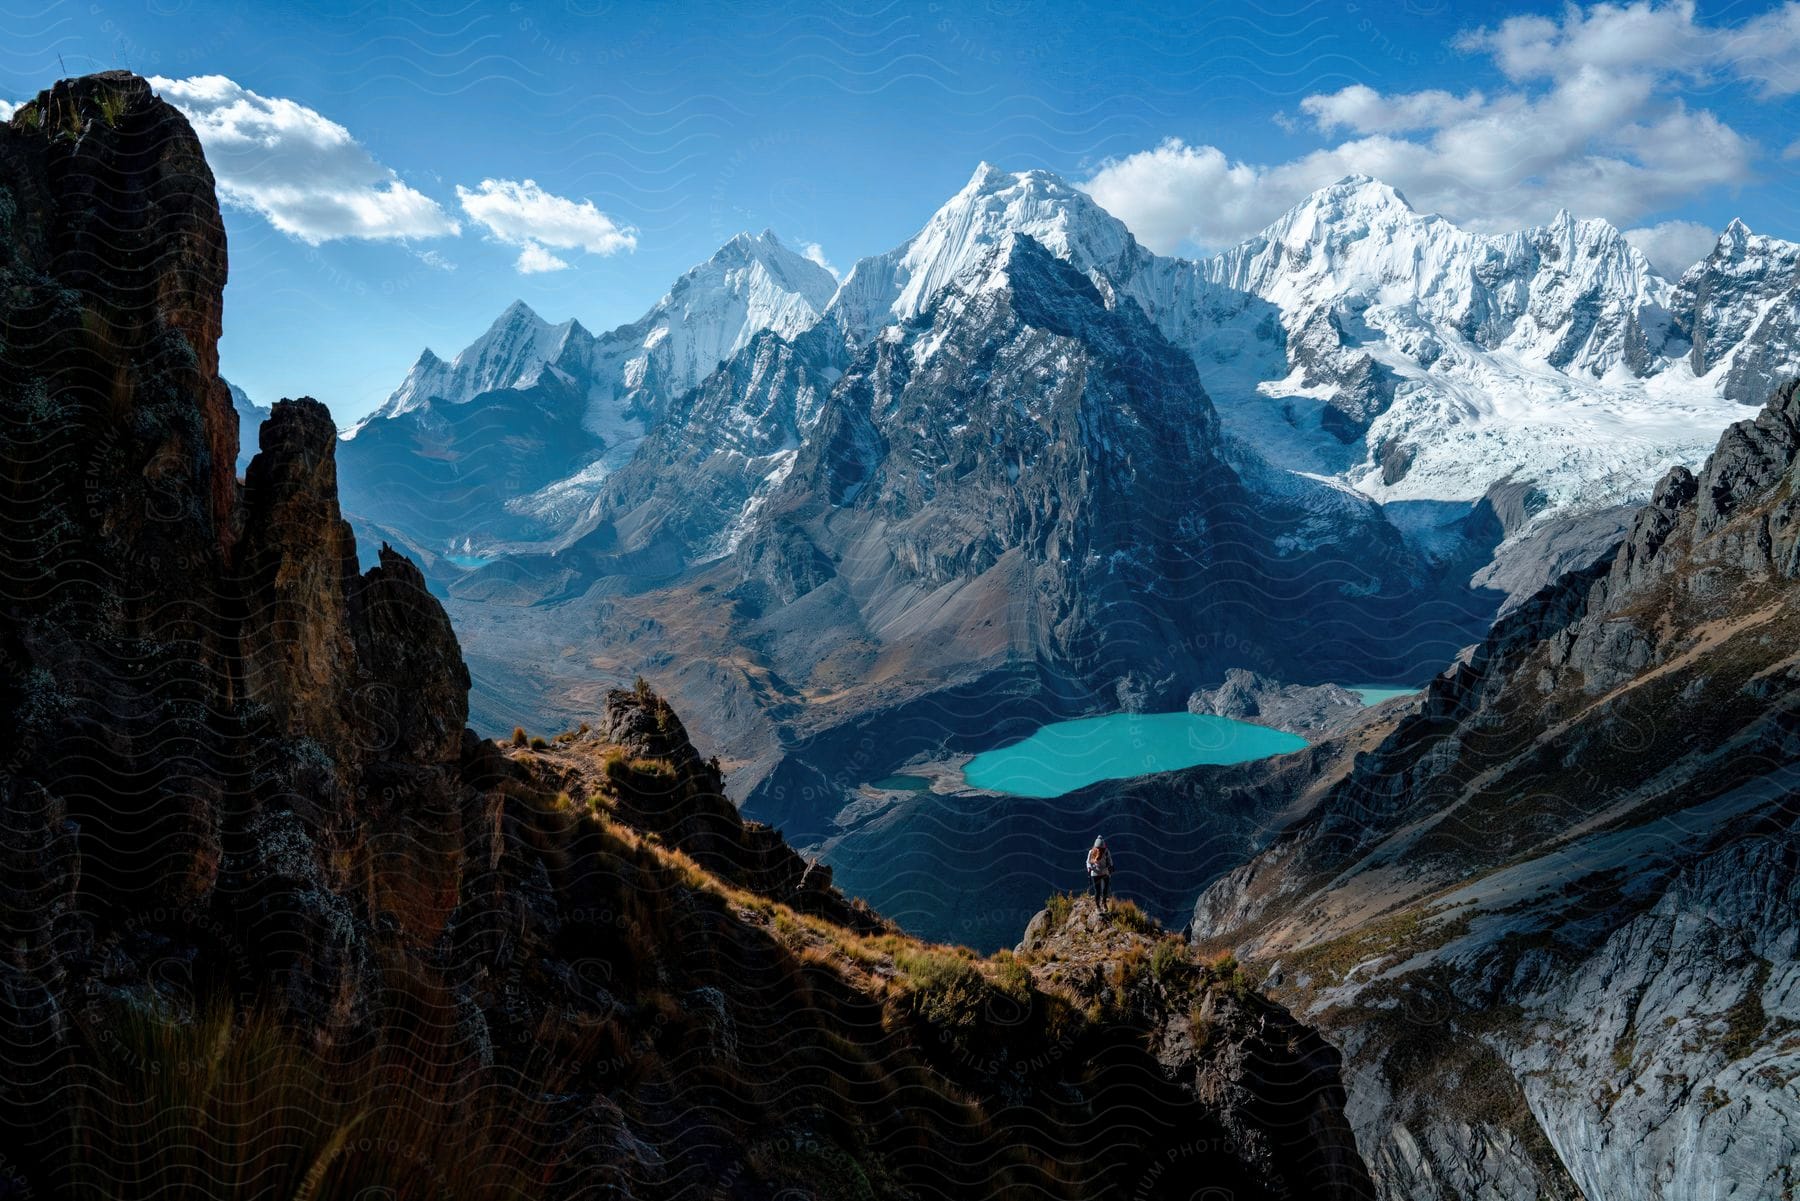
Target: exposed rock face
pixel 1002 427
pixel 1526 563
pixel 1548 917
pixel 299 657
pixel 1738 308
pixel 688 494
pixel 237 779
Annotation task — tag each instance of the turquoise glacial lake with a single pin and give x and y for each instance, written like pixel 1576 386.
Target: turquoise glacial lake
pixel 1374 694
pixel 1067 755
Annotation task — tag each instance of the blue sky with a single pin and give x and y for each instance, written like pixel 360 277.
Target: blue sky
pixel 398 174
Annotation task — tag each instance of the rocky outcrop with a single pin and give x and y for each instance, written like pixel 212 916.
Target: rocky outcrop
pixel 297 652
pixel 413 687
pixel 1525 563
pixel 119 504
pixel 1270 1082
pixel 1359 388
pixel 640 756
pixel 1308 709
pixel 1546 917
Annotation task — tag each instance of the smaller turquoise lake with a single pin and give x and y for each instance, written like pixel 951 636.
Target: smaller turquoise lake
pixel 1374 694
pixel 469 561
pixel 1067 755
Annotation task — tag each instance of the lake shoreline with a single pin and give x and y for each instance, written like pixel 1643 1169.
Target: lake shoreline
pixel 1073 741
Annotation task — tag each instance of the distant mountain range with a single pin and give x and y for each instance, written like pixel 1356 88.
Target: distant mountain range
pixel 250 417
pixel 1354 340
pixel 507 441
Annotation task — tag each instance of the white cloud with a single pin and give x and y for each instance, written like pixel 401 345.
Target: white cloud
pixel 1792 152
pixel 299 169
pixel 1594 122
pixel 534 259
pixel 1607 37
pixel 813 252
pixel 1179 193
pixel 7 109
pixel 1674 246
pixel 1645 36
pixel 1361 109
pixel 519 213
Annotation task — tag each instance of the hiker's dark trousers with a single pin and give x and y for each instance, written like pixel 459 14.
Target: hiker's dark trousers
pixel 1102 889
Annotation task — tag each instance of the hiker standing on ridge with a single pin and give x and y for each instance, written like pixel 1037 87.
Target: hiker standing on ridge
pixel 1100 869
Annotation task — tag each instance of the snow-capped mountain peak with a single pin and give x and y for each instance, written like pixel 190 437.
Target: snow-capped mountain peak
pixel 1357 193
pixel 511 353
pixel 1736 313
pixel 1565 293
pixel 1445 359
pixel 751 283
pixel 958 238
pixel 1355 339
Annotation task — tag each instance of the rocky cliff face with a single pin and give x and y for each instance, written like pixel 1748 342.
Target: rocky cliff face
pixel 693 488
pixel 120 503
pixel 1736 313
pixel 1549 918
pixel 277 922
pixel 1297 708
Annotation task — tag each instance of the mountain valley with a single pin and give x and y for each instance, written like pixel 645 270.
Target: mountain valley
pixel 844 551
pixel 578 776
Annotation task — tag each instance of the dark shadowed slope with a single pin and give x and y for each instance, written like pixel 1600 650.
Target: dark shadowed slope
pixel 278 924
